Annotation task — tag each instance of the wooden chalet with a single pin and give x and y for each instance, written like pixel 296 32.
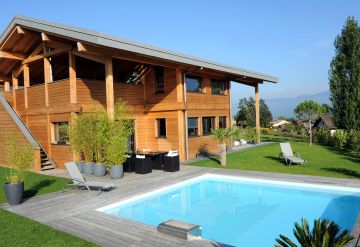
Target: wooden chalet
pixel 51 72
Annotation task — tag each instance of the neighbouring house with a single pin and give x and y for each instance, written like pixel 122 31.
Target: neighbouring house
pixel 52 72
pixel 325 122
pixel 277 124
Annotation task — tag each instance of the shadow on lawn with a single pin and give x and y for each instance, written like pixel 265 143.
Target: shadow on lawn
pixel 343 171
pixel 213 158
pixel 36 187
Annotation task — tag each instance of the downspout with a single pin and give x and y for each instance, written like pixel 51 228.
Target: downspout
pixel 186 121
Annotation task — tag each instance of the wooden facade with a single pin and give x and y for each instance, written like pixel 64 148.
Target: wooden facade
pixel 53 78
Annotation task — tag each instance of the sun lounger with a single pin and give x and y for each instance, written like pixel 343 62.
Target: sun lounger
pixel 288 155
pixel 77 179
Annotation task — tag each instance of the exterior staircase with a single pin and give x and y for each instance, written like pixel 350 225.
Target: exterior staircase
pixel 45 161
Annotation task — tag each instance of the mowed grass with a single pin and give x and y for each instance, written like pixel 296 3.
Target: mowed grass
pixel 321 161
pixel 16 230
pixel 35 184
pixel 20 231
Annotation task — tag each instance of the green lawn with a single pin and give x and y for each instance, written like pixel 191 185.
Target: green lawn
pixel 322 161
pixel 35 184
pixel 20 231
pixel 16 230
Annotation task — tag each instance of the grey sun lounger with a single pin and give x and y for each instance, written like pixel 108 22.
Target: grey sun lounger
pixel 77 179
pixel 288 155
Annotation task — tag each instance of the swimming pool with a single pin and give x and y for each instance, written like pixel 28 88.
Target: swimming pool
pixel 241 211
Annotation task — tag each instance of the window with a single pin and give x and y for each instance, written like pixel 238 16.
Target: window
pixel 222 122
pixel 208 124
pixel 159 80
pixel 193 126
pixel 193 84
pixel 217 87
pixel 161 127
pixel 60 133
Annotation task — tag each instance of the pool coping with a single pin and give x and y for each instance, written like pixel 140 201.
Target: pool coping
pixel 59 210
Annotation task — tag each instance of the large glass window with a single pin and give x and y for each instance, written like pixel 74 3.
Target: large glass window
pixel 222 122
pixel 161 127
pixel 208 124
pixel 218 87
pixel 193 84
pixel 193 129
pixel 159 80
pixel 60 133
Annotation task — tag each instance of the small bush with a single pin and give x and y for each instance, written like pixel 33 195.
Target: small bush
pixel 353 141
pixel 340 138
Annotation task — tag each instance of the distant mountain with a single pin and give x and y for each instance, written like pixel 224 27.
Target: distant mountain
pixel 285 106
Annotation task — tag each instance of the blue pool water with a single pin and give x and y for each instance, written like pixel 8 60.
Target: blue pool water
pixel 242 212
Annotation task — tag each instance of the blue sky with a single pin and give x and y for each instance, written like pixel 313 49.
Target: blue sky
pixel 290 39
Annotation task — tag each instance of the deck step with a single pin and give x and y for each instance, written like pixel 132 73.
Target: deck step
pixel 180 229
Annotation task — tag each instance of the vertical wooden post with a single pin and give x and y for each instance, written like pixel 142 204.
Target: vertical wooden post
pixel 72 78
pixel 181 115
pixel 47 78
pixel 257 112
pixel 26 83
pixel 7 86
pixel 109 80
pixel 15 83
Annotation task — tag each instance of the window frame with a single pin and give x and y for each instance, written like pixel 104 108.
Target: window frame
pixel 197 127
pixel 213 81
pixel 200 80
pixel 157 89
pixel 55 133
pixel 158 128
pixel 225 118
pixel 212 123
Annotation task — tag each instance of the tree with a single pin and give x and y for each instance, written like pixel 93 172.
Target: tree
pixel 309 111
pixel 326 109
pixel 222 135
pixel 325 233
pixel 246 114
pixel 344 77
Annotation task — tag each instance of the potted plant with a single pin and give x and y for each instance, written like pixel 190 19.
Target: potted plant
pixel 101 139
pixel 121 128
pixel 82 139
pixel 203 150
pixel 19 159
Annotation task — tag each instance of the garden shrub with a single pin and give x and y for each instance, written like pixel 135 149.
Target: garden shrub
pixel 353 141
pixel 340 138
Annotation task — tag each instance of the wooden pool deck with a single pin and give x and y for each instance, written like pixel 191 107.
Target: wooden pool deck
pixel 74 211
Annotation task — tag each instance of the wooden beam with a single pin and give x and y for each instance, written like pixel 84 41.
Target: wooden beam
pixel 26 83
pixel 19 30
pixel 47 78
pixel 7 86
pixel 48 54
pixel 12 55
pixel 97 58
pixel 81 47
pixel 72 77
pixel 18 71
pixel 109 80
pixel 37 50
pixel 257 112
pixel 15 83
pixel 44 37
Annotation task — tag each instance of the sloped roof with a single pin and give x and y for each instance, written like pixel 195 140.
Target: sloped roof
pixel 328 121
pixel 101 39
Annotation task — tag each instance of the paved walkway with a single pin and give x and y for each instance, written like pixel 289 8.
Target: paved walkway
pixel 74 211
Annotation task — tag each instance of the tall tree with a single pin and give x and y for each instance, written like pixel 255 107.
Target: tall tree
pixel 308 111
pixel 246 114
pixel 344 77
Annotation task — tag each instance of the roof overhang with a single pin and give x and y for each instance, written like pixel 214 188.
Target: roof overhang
pixel 100 39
